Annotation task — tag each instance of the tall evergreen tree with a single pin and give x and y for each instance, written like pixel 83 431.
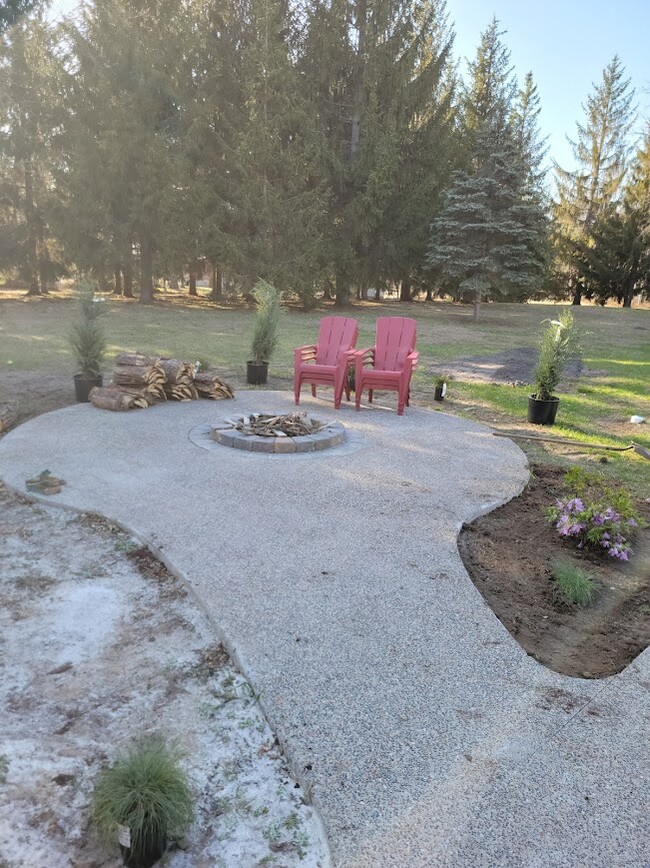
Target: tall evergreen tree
pixel 615 263
pixel 601 152
pixel 11 12
pixel 532 149
pixel 26 119
pixel 275 199
pixel 379 74
pixel 489 97
pixel 489 238
pixel 122 163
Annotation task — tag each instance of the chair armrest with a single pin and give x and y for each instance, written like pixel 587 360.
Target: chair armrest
pixel 362 357
pixel 414 358
pixel 305 354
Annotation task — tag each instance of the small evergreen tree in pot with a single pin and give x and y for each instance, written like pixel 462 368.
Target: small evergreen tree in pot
pixel 265 334
pixel 87 340
pixel 559 344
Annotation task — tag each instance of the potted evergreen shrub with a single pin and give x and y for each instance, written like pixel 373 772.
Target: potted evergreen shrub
pixel 87 340
pixel 265 335
pixel 559 344
pixel 143 802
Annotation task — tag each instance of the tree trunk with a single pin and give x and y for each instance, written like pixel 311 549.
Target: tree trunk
pixel 627 298
pixel 30 219
pixel 477 305
pixel 357 80
pixel 127 273
pixel 342 298
pixel 118 281
pixel 577 296
pixel 193 283
pixel 146 270
pixel 327 291
pixel 429 295
pixel 217 283
pixel 405 290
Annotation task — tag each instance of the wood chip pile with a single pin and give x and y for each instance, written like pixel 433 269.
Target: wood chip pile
pixel 140 381
pixel 266 425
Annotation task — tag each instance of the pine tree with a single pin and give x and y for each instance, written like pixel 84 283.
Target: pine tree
pixel 601 152
pixel 531 147
pixel 11 12
pixel 490 237
pixel 615 263
pixel 489 98
pixel 26 120
pixel 275 200
pixel 123 168
pixel 379 73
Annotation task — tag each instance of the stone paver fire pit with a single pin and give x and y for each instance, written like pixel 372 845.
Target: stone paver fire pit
pixel 266 432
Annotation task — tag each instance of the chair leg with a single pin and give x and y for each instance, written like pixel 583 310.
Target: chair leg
pixel 313 390
pixel 296 389
pixel 370 396
pixel 357 397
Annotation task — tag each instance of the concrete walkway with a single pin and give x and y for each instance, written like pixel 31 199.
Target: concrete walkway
pixel 429 736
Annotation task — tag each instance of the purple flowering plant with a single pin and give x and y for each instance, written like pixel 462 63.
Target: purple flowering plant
pixel 595 514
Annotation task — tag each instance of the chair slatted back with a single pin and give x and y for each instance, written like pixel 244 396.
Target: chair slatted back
pixel 336 334
pixel 396 336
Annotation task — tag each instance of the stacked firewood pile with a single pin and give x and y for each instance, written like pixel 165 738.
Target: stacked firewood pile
pixel 140 381
pixel 266 425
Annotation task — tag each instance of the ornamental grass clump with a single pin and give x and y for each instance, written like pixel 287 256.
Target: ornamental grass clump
pixel 574 584
pixel 595 514
pixel 143 801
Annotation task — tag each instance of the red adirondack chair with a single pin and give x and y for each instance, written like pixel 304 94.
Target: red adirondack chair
pixel 393 360
pixel 326 363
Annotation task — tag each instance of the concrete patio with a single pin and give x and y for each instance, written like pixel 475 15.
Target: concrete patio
pixel 428 735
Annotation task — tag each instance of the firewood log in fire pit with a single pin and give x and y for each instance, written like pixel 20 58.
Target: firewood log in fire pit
pixel 267 425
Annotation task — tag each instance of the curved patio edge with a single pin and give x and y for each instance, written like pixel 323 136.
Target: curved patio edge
pixel 346 604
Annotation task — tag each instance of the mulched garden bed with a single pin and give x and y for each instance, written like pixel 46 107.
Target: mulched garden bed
pixel 508 554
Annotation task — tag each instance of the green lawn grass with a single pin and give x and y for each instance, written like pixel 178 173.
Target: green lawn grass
pixel 595 409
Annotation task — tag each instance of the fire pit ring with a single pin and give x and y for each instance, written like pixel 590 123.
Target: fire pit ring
pixel 329 435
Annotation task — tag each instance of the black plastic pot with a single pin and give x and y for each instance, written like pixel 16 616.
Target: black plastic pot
pixel 542 412
pixel 257 373
pixel 439 392
pixel 83 385
pixel 151 854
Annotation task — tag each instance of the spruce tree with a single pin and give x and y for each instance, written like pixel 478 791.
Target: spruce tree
pixel 601 152
pixel 30 79
pixel 12 11
pixel 123 168
pixel 380 75
pixel 615 263
pixel 275 201
pixel 490 238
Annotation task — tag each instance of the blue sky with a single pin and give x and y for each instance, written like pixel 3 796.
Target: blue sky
pixel 565 44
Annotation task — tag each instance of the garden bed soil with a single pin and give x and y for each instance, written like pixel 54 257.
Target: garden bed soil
pixel 508 555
